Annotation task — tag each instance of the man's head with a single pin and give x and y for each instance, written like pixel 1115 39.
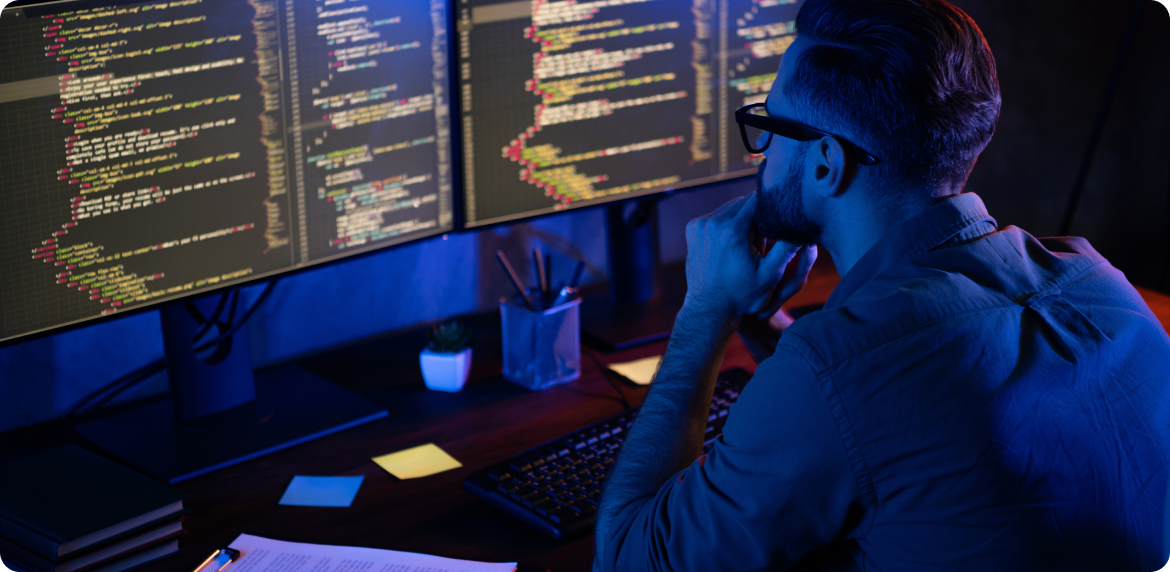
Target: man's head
pixel 911 81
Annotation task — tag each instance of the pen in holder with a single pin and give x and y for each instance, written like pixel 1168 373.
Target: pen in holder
pixel 542 349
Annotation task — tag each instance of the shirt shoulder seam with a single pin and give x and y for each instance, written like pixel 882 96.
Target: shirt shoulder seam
pixel 862 476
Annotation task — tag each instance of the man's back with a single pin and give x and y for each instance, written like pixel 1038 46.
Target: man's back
pixel 1002 400
pixel 968 399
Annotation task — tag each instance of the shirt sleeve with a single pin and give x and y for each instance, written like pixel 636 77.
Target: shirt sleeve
pixel 777 485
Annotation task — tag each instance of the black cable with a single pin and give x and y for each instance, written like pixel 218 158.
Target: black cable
pixel 243 319
pixel 151 369
pixel 232 310
pixel 205 324
pixel 118 386
pixel 109 391
pixel 205 327
pixel 1070 211
pixel 605 373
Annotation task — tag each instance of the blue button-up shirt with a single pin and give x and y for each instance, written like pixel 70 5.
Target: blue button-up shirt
pixel 968 399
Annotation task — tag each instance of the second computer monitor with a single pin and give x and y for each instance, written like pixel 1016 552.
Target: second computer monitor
pixel 567 104
pixel 155 150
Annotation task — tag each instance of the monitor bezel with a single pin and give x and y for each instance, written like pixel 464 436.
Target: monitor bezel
pixel 37 8
pixel 459 166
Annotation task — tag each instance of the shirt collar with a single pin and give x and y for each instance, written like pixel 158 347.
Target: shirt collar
pixel 920 233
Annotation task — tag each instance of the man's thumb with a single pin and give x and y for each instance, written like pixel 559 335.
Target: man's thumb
pixel 777 258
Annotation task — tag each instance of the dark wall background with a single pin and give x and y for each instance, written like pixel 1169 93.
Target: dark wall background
pixel 1055 58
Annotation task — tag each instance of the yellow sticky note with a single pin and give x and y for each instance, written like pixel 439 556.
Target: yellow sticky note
pixel 415 462
pixel 639 371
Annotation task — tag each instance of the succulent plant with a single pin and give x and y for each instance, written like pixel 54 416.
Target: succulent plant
pixel 449 337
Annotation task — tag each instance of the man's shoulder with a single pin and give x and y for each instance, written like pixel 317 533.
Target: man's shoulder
pixel 958 288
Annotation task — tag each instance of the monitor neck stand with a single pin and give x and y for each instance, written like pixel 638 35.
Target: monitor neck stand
pixel 638 309
pixel 220 412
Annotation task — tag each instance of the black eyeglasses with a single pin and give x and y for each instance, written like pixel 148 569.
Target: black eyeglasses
pixel 754 122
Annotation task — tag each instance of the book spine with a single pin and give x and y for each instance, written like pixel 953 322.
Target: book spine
pixel 29 540
pixel 18 557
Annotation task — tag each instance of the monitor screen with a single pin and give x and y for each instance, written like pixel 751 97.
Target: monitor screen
pixel 571 103
pixel 153 150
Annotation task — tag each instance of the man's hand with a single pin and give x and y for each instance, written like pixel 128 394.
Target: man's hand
pixel 727 278
pixel 761 332
pixel 726 274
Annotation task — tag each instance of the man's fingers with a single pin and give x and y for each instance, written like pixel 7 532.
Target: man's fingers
pixel 748 203
pixel 789 285
pixel 773 263
pixel 728 209
pixel 808 256
pixel 799 278
pixel 742 217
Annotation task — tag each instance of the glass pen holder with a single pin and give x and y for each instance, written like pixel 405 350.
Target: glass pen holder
pixel 542 349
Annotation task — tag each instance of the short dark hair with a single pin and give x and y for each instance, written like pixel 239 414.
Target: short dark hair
pixel 913 80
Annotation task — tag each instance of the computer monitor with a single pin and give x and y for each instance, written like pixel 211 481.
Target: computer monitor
pixel 154 151
pixel 570 104
pixel 573 104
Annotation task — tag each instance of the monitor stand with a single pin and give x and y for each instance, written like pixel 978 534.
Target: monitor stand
pixel 638 309
pixel 220 413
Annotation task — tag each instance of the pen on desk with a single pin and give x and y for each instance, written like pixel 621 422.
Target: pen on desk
pixel 563 295
pixel 219 560
pixel 514 277
pixel 538 261
pixel 548 272
pixel 566 293
pixel 577 274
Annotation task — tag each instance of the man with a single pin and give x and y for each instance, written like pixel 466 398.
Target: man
pixel 970 398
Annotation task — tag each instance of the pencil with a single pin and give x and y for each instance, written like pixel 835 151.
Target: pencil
pixel 538 260
pixel 515 278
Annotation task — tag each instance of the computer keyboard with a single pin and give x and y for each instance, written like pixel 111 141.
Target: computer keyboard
pixel 555 487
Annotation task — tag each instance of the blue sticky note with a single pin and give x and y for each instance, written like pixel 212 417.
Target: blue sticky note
pixel 321 491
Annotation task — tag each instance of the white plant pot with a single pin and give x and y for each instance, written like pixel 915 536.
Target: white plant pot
pixel 445 372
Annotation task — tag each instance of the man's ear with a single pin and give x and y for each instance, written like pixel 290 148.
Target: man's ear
pixel 830 169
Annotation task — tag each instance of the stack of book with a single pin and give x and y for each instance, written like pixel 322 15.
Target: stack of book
pixel 68 510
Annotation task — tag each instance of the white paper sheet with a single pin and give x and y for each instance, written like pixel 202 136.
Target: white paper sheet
pixel 265 555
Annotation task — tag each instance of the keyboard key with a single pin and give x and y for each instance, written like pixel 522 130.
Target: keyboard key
pixel 564 479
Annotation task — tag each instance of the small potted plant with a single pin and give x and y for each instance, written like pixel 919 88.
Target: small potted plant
pixel 447 359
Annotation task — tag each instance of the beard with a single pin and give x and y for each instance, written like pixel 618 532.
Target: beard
pixel 780 213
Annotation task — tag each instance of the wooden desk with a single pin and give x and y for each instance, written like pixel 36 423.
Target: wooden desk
pixel 489 420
